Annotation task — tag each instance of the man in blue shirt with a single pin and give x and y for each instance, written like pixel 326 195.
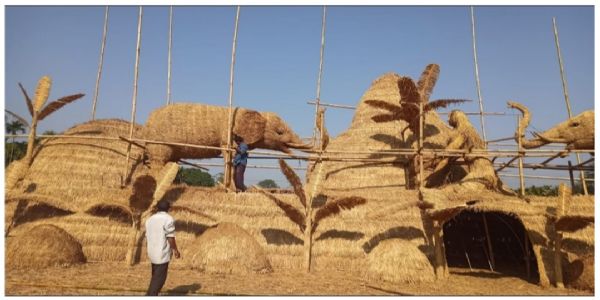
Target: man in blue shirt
pixel 239 163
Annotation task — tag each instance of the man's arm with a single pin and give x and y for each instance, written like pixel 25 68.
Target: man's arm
pixel 173 245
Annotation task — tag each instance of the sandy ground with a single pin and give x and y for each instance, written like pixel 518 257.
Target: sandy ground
pixel 118 279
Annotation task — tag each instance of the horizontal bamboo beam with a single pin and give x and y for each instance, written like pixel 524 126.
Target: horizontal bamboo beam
pixel 194 165
pixel 250 166
pixel 545 167
pixel 541 177
pixel 441 113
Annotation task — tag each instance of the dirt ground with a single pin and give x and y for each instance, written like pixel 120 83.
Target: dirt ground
pixel 118 279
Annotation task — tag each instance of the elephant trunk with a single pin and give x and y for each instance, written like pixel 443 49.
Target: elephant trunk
pixel 520 138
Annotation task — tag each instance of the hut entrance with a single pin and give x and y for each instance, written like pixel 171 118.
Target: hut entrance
pixel 467 247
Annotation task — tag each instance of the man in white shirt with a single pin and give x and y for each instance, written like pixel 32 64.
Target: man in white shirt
pixel 160 235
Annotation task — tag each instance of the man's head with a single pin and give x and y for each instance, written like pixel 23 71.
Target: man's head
pixel 163 205
pixel 238 139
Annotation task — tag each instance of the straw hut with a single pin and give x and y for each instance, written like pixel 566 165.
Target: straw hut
pixel 43 246
pixel 228 248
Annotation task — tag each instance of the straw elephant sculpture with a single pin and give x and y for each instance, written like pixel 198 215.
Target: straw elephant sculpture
pixel 206 125
pixel 576 132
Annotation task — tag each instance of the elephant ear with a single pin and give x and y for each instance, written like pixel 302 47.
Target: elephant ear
pixel 250 125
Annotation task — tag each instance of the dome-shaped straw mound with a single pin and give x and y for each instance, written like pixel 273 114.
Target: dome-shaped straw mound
pixel 43 246
pixel 399 261
pixel 229 249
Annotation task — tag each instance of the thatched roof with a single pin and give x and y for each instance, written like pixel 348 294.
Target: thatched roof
pixel 393 255
pixel 43 246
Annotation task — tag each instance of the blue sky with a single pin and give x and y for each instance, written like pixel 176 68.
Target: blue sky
pixel 278 58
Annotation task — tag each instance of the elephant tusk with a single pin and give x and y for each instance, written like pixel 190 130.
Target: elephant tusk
pixel 550 140
pixel 299 146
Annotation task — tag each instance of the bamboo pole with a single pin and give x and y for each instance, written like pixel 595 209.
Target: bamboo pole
pixel 100 63
pixel 537 177
pixel 545 167
pixel 169 55
pixel 420 157
pixel 566 94
pixel 477 75
pixel 527 254
pixel 318 99
pixel 439 250
pixel 489 242
pixel 438 112
pixel 134 98
pixel 571 177
pixel 519 149
pixel 228 155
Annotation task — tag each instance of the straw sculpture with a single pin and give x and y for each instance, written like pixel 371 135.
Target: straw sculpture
pixel 229 249
pixel 392 255
pixel 206 125
pixel 37 110
pixel 576 132
pixel 43 246
pixel 306 220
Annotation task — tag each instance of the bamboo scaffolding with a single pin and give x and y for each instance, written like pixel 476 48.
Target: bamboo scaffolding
pixel 100 63
pixel 318 99
pixel 134 98
pixel 199 166
pixel 169 55
pixel 546 167
pixel 477 75
pixel 438 112
pixel 228 155
pixel 566 94
pixel 273 167
pixel 540 177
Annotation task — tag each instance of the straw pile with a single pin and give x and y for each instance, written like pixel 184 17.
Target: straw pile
pixel 43 246
pixel 229 249
pixel 399 261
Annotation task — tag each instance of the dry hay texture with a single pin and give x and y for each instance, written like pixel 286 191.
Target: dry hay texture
pixel 83 177
pixel 228 248
pixel 388 175
pixel 580 273
pixel 43 246
pixel 393 255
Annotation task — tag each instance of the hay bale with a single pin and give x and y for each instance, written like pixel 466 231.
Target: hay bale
pixel 399 261
pixel 228 248
pixel 43 246
pixel 579 274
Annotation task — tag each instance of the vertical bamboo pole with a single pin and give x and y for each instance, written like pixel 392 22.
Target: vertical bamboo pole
pixel 560 211
pixel 228 154
pixel 489 242
pixel 527 253
pixel 571 177
pixel 169 55
pixel 134 98
pixel 519 149
pixel 477 77
pixel 100 63
pixel 318 100
pixel 566 95
pixel 439 250
pixel 421 127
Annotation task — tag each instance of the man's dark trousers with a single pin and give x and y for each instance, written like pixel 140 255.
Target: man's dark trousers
pixel 159 276
pixel 239 177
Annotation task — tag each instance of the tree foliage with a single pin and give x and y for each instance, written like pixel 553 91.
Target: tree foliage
pixel 544 190
pixel 195 177
pixel 268 184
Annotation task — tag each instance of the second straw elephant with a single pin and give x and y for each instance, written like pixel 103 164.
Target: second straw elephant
pixel 202 124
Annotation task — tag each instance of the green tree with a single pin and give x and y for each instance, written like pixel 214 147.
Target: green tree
pixel 544 190
pixel 12 149
pixel 195 177
pixel 268 184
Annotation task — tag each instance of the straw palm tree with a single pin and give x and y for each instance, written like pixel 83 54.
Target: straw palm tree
pixel 308 221
pixel 38 111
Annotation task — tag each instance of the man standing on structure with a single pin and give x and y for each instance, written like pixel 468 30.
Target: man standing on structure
pixel 160 235
pixel 239 163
